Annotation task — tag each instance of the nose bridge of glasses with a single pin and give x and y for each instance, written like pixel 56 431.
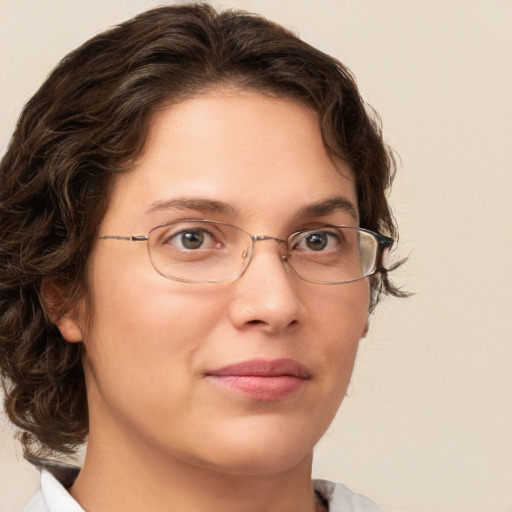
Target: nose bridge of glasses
pixel 282 243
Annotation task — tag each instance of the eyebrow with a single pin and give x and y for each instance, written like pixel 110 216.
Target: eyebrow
pixel 330 205
pixel 324 207
pixel 193 203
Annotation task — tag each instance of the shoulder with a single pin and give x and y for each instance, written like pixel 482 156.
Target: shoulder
pixel 341 499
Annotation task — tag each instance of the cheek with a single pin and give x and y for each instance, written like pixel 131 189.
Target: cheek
pixel 340 322
pixel 145 329
pixel 341 313
pixel 130 297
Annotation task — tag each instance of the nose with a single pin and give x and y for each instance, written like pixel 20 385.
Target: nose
pixel 266 295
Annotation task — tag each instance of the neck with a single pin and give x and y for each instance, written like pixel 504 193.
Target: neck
pixel 137 478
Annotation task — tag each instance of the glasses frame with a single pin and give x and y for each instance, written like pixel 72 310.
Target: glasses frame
pixel 384 244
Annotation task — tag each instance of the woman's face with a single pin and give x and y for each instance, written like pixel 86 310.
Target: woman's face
pixel 240 377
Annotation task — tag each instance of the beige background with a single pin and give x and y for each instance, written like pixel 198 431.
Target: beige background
pixel 428 424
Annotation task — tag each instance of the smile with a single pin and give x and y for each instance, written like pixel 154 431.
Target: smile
pixel 263 380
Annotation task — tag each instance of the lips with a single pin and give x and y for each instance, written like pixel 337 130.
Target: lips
pixel 263 380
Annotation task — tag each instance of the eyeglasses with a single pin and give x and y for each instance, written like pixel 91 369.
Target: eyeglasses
pixel 206 251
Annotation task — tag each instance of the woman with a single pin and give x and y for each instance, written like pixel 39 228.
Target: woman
pixel 193 228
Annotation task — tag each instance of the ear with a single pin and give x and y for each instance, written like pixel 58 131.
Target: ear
pixel 53 296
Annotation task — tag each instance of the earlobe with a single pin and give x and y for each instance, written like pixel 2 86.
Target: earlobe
pixel 69 329
pixel 66 321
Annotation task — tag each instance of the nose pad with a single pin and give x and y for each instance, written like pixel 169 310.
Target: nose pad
pixel 284 249
pixel 285 255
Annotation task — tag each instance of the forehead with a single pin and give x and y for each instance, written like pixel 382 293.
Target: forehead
pixel 251 151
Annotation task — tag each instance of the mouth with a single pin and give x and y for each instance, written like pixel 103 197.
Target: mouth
pixel 262 380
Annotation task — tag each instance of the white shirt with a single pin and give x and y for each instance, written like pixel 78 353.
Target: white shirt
pixel 53 497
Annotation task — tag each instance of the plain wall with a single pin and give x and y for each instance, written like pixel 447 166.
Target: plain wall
pixel 428 423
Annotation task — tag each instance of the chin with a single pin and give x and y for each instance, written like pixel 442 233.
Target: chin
pixel 266 451
pixel 260 463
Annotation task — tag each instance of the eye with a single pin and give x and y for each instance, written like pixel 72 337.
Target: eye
pixel 317 241
pixel 191 239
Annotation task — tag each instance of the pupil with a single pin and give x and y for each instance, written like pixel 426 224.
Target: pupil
pixel 316 241
pixel 192 240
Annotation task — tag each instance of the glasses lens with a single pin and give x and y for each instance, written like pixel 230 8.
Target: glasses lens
pixel 199 251
pixel 333 254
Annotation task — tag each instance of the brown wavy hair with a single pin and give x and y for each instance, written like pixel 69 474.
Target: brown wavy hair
pixel 87 123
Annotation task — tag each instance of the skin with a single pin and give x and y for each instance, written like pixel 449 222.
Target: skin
pixel 163 436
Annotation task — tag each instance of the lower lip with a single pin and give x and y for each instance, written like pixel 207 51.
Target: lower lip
pixel 265 389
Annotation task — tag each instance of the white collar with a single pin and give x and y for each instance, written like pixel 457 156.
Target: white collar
pixel 53 497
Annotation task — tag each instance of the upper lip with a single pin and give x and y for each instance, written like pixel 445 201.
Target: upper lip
pixel 263 368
